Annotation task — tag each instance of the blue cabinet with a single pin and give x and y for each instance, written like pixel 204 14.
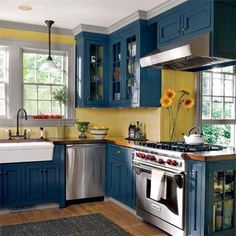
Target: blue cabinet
pixel 91 70
pixel 185 21
pixel 11 185
pixel 211 198
pixel 120 176
pixel 129 84
pixel 24 184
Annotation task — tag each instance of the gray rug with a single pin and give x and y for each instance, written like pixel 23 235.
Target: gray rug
pixel 87 225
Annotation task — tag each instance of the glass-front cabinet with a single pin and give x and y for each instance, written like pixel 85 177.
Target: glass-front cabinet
pixel 96 68
pixel 222 200
pixel 91 70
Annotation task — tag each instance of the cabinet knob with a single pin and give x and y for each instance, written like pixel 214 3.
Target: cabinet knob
pixel 41 170
pixel 0 172
pixel 4 172
pixel 178 31
pixel 118 152
pixel 183 29
pixel 45 170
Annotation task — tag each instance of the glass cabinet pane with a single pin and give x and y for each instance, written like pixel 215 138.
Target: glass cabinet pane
pixel 116 78
pixel 96 73
pixel 131 91
pixel 223 207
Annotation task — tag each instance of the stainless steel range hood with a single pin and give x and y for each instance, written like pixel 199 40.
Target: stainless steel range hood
pixel 188 56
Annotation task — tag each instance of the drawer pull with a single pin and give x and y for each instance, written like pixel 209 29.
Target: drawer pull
pixel 118 152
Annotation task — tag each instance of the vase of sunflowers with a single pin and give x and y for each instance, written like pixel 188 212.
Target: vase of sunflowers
pixel 171 100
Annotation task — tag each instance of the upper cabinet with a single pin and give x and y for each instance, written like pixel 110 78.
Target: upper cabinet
pixel 184 23
pixel 129 84
pixel 92 69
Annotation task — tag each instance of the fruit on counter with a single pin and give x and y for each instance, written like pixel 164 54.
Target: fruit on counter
pixel 97 127
pixel 44 116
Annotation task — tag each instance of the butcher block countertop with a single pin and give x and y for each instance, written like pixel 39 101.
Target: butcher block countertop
pixel 198 156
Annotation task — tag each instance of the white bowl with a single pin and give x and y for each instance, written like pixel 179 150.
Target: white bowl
pixel 99 133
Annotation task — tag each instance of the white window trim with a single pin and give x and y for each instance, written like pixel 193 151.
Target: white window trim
pixel 198 109
pixel 15 98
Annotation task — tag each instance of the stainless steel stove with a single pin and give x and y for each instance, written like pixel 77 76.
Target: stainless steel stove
pixel 167 158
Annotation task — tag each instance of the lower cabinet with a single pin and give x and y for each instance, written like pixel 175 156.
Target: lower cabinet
pixel 211 202
pixel 120 176
pixel 25 184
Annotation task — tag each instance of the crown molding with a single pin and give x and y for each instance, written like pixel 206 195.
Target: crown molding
pixel 90 28
pixel 138 15
pixel 163 7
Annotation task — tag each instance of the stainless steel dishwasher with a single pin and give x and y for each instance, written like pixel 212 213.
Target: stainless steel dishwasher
pixel 85 164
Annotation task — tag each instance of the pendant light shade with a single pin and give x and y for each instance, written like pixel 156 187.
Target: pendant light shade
pixel 49 65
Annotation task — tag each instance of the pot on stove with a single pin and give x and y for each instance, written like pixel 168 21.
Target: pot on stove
pixel 194 138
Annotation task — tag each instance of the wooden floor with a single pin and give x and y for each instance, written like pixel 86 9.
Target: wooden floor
pixel 118 215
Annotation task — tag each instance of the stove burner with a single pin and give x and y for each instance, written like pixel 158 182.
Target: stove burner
pixel 180 146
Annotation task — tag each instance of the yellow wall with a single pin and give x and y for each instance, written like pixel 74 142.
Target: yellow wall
pixel 177 81
pixel 35 36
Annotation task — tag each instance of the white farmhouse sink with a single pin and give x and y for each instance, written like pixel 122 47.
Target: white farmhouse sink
pixel 26 152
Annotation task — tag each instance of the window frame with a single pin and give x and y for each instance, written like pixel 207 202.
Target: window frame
pixel 199 121
pixel 65 78
pixel 15 94
pixel 6 82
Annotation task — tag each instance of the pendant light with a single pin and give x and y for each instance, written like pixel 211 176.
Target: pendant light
pixel 49 65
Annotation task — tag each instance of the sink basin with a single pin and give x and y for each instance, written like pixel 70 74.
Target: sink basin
pixel 26 152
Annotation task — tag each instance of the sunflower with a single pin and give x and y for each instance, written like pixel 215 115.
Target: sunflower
pixel 189 102
pixel 166 101
pixel 170 93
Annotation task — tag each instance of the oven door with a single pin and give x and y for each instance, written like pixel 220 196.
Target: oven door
pixel 170 209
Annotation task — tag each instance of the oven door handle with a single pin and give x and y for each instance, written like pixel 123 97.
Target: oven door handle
pixel 177 177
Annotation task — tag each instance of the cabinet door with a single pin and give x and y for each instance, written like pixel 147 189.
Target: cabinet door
pixel 116 74
pixel 1 185
pixel 51 182
pixel 131 71
pixel 12 184
pixel 169 29
pixel 197 19
pixel 221 199
pixel 34 182
pixel 196 198
pixel 96 79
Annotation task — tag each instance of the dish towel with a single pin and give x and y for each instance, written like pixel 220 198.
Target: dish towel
pixel 158 185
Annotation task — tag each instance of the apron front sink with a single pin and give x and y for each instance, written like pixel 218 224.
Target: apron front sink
pixel 26 152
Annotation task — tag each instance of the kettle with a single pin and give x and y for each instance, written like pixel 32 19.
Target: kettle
pixel 194 139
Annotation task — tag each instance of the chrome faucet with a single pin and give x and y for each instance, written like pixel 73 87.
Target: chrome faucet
pixel 18 135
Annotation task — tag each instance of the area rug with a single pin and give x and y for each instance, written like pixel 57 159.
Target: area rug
pixel 87 225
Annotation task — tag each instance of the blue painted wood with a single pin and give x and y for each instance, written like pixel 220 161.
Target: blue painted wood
pixel 196 198
pixel 83 82
pixel 120 176
pixel 12 182
pixel 147 81
pixel 197 19
pixel 169 29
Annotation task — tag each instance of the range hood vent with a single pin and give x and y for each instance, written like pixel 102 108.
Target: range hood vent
pixel 188 56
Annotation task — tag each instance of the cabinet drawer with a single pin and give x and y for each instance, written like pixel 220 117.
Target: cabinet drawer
pixel 197 19
pixel 115 152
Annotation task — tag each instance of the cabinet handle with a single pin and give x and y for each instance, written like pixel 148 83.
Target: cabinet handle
pixel 184 29
pixel 41 170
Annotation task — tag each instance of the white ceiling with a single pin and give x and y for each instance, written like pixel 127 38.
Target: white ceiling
pixel 70 13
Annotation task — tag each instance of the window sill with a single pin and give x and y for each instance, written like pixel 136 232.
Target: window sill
pixel 37 122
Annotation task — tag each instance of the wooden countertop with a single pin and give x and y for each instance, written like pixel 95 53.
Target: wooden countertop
pixel 198 156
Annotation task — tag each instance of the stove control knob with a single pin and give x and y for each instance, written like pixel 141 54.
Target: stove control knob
pixel 160 161
pixel 148 157
pixel 138 154
pixel 143 156
pixel 153 158
pixel 169 162
pixel 174 163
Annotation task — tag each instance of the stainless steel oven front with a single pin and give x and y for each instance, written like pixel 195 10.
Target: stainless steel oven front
pixel 169 213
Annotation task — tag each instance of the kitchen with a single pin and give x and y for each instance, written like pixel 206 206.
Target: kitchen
pixel 106 82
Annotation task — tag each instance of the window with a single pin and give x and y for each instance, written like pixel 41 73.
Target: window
pixel 218 105
pixel 3 80
pixel 38 86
